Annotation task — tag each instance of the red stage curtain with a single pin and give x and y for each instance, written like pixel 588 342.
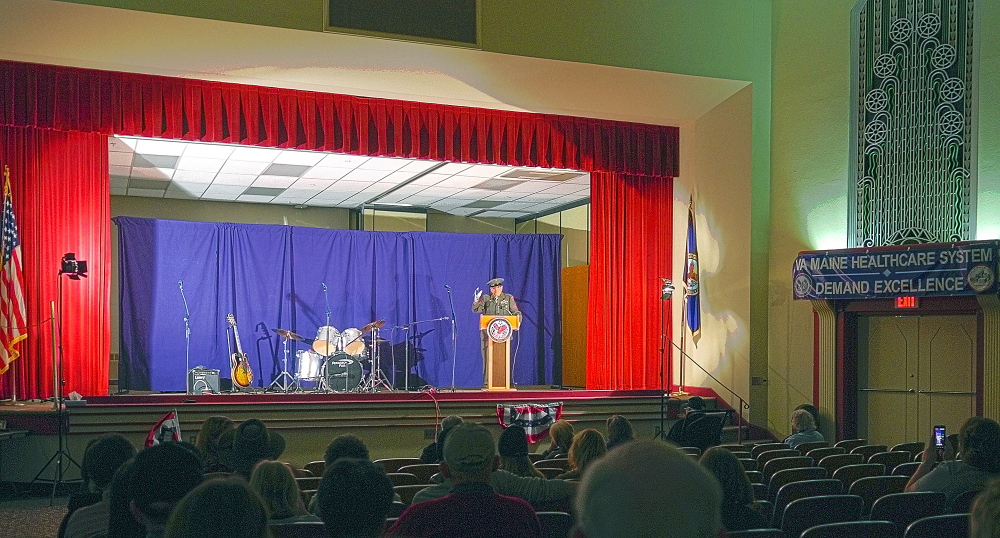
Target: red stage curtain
pixel 630 236
pixel 62 178
pixel 71 99
pixel 62 201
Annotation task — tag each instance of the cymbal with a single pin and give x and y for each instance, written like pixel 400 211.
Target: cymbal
pixel 377 324
pixel 288 334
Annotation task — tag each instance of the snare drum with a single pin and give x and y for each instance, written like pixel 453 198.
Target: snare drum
pixel 342 373
pixel 351 342
pixel 327 340
pixel 309 365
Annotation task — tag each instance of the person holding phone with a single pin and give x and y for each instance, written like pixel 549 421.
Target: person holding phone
pixel 978 461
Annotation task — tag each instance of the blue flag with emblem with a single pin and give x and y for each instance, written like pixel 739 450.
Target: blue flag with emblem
pixel 691 294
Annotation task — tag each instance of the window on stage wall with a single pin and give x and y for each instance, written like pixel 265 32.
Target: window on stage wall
pixel 381 220
pixel 573 224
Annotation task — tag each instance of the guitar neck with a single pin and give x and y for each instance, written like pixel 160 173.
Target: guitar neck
pixel 236 335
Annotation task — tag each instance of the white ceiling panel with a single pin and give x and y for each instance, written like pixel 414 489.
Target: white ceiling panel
pixel 254 198
pixel 486 170
pixel 318 184
pixel 119 191
pixel 326 172
pixel 384 163
pixel 234 179
pixel 432 178
pixel 202 164
pixel 148 193
pixel 116 158
pixel 305 158
pixel 119 182
pixel 234 190
pixel 421 200
pixel 254 154
pixel 274 181
pixel 461 182
pixel 453 168
pixel 472 194
pixel 192 188
pixel 397 177
pixel 416 167
pixel 118 170
pixel 151 173
pixel 208 151
pixel 194 175
pixel 181 195
pixel 370 176
pixel 155 146
pixel 243 167
pixel 340 160
pixel 563 189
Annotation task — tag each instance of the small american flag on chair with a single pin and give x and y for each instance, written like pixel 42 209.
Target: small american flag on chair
pixel 534 418
pixel 12 310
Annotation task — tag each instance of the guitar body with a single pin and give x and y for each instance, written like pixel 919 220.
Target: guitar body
pixel 242 375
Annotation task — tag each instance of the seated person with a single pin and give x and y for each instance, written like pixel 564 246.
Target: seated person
pixel 513 448
pixel 697 428
pixel 984 521
pixel 738 512
pixel 432 452
pixel 220 507
pixel 803 429
pixel 561 433
pixel 977 465
pixel 587 447
pixel 276 485
pixel 354 497
pixel 100 462
pixel 619 431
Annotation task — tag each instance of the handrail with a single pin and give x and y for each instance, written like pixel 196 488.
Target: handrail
pixel 743 403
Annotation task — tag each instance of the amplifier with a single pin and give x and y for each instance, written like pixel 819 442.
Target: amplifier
pixel 203 380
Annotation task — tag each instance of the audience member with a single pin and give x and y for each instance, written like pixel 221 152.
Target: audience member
pixel 587 447
pixel 221 508
pixel 561 433
pixel 160 477
pixel 690 429
pixel 619 431
pixel 346 446
pixel 275 483
pixel 354 497
pixel 121 522
pixel 978 463
pixel 984 521
pixel 812 410
pixel 648 488
pixel 101 460
pixel 738 512
pixel 251 443
pixel 803 429
pixel 472 508
pixel 513 448
pixel 432 452
pixel 208 442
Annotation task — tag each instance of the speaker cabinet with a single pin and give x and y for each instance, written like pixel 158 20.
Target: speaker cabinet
pixel 203 380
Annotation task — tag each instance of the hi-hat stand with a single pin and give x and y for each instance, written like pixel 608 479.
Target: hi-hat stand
pixel 376 378
pixel 285 381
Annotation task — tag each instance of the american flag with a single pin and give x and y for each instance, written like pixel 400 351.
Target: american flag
pixel 12 310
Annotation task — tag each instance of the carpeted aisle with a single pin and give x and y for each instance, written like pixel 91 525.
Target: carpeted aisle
pixel 31 518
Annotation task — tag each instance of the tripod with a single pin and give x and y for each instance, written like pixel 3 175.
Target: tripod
pixel 376 379
pixel 666 291
pixel 284 381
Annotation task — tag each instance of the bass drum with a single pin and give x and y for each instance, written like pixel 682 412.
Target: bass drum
pixel 342 372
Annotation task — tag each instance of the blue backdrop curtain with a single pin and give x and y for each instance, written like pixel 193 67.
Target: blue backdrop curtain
pixel 271 277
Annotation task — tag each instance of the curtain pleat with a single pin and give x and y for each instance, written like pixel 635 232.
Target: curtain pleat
pixel 630 237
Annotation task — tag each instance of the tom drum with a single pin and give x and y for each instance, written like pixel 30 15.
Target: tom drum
pixel 327 340
pixel 352 343
pixel 309 365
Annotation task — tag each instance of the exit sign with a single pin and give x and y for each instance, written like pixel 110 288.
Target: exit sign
pixel 907 302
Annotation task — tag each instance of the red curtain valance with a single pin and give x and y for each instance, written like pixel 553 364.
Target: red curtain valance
pixel 74 99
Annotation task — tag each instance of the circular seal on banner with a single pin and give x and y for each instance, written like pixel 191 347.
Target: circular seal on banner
pixel 980 278
pixel 803 284
pixel 499 330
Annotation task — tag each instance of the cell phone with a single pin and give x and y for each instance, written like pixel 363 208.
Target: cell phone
pixel 940 435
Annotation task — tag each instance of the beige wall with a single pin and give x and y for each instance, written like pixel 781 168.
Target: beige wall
pixel 438 221
pixel 716 170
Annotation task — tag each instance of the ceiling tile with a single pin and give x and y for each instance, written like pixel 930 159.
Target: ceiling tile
pixel 299 193
pixel 340 160
pixel 198 177
pixel 119 159
pixel 208 151
pixel 160 147
pixel 148 193
pixel 148 184
pixel 420 200
pixel 452 168
pixel 234 179
pixel 315 184
pixel 154 161
pixel 396 177
pixel 370 176
pixel 231 197
pixel 539 197
pixel 263 191
pixel 200 164
pixel 117 144
pixel 151 173
pixel 502 214
pixel 529 186
pixel 461 182
pixel 430 179
pixel 118 170
pixel 392 197
pixel 254 198
pixel 349 186
pixel 323 203
pixel 439 192
pixel 119 182
pixel 486 170
pixel 472 194
pixel 326 172
pixel 563 189
pixel 506 196
pixel 254 154
pixel 243 167
pixel 306 158
pixel 181 194
pixel 274 181
pixel 216 189
pixel 418 166
pixel 288 170
pixel 387 164
pixel 192 188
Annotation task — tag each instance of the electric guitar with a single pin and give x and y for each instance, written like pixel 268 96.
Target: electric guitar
pixel 238 363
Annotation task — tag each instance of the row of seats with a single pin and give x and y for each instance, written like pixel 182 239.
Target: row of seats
pixel 949 525
pixel 554 525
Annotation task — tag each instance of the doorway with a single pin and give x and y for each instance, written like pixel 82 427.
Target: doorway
pixel 915 372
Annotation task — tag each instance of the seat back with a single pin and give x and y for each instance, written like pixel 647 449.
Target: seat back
pixel 301 529
pixel 832 463
pixel 890 459
pixel 787 476
pixel 550 472
pixel 808 512
pixel 755 477
pixel 392 465
pixel 868 450
pixel 906 469
pixel 804 448
pixel 396 509
pixel 423 471
pixel 852 529
pixel 794 491
pixel 905 508
pixel 819 453
pixel 781 464
pixel 914 448
pixel 316 467
pixel 558 463
pixel 406 493
pixel 769 455
pixel 757 533
pixel 849 473
pixel 535 456
pixel 307 483
pixel 403 479
pixel 870 488
pixel 706 430
pixel 757 450
pixel 759 491
pixel 691 451
pixel 963 502
pixel 749 464
pixel 555 524
pixel 849 444
pixel 948 525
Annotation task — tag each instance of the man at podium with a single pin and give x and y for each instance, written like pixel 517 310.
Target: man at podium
pixel 496 303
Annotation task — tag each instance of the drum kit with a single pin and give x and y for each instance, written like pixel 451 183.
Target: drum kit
pixel 334 361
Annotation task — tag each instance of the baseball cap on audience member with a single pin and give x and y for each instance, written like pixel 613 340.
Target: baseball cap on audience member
pixel 513 443
pixel 469 448
pixel 695 402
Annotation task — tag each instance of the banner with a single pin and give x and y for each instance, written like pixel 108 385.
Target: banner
pixel 938 270
pixel 692 300
pixel 166 430
pixel 534 418
pixel 12 310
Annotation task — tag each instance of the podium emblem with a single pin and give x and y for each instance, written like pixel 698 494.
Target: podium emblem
pixel 499 330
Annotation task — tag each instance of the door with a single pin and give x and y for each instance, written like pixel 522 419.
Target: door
pixel 914 372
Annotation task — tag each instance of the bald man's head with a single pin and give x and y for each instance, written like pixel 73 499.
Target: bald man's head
pixel 648 489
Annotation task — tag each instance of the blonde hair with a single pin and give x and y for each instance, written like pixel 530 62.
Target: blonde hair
pixel 587 447
pixel 561 432
pixel 519 465
pixel 275 483
pixel 208 437
pixel 802 420
pixel 984 521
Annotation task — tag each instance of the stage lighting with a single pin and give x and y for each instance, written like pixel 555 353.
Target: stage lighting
pixel 72 267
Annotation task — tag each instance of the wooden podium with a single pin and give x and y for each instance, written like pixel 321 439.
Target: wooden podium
pixel 499 331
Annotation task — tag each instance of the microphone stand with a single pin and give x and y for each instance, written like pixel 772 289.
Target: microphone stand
pixel 665 293
pixel 187 340
pixel 406 358
pixel 454 337
pixel 326 299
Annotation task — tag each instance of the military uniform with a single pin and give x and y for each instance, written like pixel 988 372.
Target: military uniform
pixel 501 305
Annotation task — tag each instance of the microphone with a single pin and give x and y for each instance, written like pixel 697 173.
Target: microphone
pixel 667 290
pixel 324 285
pixel 447 287
pixel 180 284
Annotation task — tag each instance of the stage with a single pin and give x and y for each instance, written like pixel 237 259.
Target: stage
pixel 393 424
